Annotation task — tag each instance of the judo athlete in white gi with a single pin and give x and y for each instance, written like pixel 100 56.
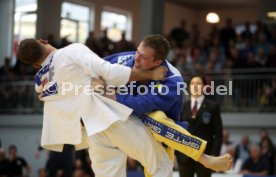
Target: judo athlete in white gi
pixel 106 122
pixel 151 53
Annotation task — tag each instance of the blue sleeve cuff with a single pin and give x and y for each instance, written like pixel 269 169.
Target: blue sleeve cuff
pixel 119 98
pixel 183 124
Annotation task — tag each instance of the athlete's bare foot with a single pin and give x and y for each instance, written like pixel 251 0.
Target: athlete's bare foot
pixel 220 163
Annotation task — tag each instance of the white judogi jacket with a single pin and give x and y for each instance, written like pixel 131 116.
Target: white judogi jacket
pixel 62 72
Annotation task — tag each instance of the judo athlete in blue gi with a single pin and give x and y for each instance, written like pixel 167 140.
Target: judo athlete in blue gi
pixel 154 101
pixel 86 119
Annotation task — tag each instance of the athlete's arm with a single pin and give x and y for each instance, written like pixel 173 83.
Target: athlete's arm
pixel 158 73
pixel 113 74
pixel 158 97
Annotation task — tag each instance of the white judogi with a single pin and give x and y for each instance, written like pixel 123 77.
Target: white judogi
pixel 108 129
pixel 75 65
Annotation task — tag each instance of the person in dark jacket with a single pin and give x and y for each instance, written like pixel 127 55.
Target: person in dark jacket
pixel 203 116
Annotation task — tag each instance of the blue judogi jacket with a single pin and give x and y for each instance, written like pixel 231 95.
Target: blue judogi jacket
pixel 155 99
pixel 170 103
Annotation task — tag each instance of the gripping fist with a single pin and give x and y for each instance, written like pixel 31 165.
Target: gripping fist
pixel 159 73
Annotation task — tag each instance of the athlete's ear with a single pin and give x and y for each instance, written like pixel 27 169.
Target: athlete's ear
pixel 158 62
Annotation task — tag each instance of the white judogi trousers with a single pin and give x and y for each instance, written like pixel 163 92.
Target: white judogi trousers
pixel 109 149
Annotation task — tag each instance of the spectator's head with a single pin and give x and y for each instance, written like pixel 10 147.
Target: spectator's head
pixel 272 50
pixel 264 134
pixel 123 35
pixel 183 24
pixel 251 58
pixel 213 57
pixel 229 22
pixel 12 151
pixel 248 43
pixel 266 145
pixel 255 152
pixel 2 154
pixel 51 37
pixel 91 34
pixel 42 172
pixel 196 85
pixel 78 173
pixel 32 51
pixel 78 164
pixel 262 38
pixel 225 137
pixel 234 52
pixel 245 140
pixel 60 173
pixel 247 25
pixel 231 150
pixel 197 52
pixel 151 52
pixel 261 53
pixel 258 24
pixel 7 61
pixel 104 32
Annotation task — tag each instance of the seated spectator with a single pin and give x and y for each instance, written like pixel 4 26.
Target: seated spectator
pixel 268 151
pixel 248 48
pixel 106 46
pixel 266 97
pixel 6 71
pixel 271 58
pixel 52 40
pixel 42 172
pixel 251 61
pixel 17 166
pixel 91 43
pixel 180 34
pixel 61 163
pixel 262 43
pixel 256 164
pixel 199 58
pixel 123 45
pixel 82 161
pixel 237 162
pixel 263 135
pixel 242 149
pixel 79 173
pixel 235 59
pixel 240 154
pixel 3 164
pixel 225 142
pixel 240 43
pixel 6 91
pixel 246 34
pixel 215 61
pixel 227 33
pixel 64 41
pixel 261 57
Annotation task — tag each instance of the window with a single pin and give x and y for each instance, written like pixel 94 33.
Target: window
pixel 25 18
pixel 116 24
pixel 75 22
pixel 24 21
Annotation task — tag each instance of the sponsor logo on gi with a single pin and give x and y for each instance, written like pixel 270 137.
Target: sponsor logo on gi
pixel 51 88
pixel 169 133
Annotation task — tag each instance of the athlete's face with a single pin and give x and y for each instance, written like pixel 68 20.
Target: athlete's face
pixel 144 58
